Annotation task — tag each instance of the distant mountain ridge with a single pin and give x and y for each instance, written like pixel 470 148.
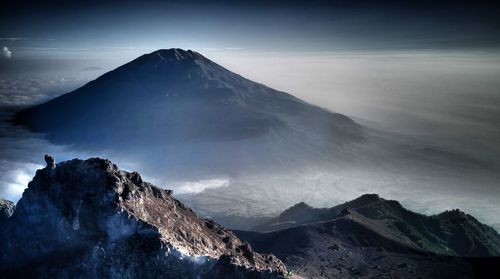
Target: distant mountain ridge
pixel 450 233
pixel 353 246
pixel 370 237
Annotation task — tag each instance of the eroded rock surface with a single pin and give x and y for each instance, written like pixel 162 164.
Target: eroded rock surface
pixel 90 219
pixel 6 209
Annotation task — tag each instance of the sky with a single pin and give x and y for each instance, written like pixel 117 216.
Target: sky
pixel 425 69
pixel 63 35
pixel 87 28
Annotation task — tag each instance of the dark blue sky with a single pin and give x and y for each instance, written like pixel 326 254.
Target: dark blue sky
pixel 26 27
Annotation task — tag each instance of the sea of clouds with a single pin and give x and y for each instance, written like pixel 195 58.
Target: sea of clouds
pixel 447 100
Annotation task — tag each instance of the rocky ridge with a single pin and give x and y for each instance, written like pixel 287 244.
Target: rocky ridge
pixel 452 232
pixel 90 219
pixel 371 237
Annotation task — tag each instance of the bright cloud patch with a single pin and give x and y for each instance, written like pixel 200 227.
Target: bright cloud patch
pixel 194 187
pixel 6 52
pixel 18 181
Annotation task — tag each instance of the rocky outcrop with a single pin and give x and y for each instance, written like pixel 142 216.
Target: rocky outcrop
pixel 6 209
pixel 90 219
pixel 51 162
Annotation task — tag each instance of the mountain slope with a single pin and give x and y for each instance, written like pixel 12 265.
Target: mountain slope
pixel 353 246
pixel 169 99
pixel 451 232
pixel 89 219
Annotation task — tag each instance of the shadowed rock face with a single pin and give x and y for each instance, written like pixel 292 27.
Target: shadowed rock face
pixel 89 219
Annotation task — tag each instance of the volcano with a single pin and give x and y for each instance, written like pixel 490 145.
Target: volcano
pixel 179 108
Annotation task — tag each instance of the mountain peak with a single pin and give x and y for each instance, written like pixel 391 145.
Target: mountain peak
pixel 299 208
pixel 453 214
pixel 175 54
pixel 365 199
pixel 370 197
pixel 301 205
pixel 109 218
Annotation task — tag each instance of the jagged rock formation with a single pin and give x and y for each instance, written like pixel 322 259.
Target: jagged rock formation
pixel 6 209
pixel 51 162
pixel 88 219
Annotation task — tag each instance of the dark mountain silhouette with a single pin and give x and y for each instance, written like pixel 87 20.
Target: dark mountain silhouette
pixel 170 104
pixel 450 233
pixel 372 237
pixel 353 246
pixel 88 219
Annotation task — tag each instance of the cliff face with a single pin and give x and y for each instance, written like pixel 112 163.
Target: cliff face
pixel 90 219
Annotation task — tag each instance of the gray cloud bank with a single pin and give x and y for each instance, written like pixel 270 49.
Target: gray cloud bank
pixel 450 98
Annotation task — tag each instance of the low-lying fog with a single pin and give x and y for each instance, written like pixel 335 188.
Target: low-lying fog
pixel 448 101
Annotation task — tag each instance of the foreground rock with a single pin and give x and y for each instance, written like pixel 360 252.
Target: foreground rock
pixel 6 209
pixel 88 219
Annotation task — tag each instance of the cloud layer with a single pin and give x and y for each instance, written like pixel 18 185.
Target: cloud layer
pixel 443 99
